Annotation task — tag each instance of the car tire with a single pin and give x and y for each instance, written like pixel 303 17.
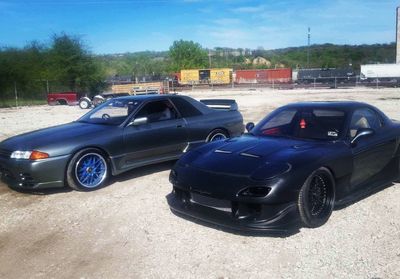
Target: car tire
pixel 317 198
pixel 397 180
pixel 87 170
pixel 217 134
pixel 84 103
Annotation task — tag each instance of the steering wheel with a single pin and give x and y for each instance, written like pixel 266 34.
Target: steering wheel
pixel 106 116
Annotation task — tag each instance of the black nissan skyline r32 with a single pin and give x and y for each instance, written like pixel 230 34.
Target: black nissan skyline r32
pixel 292 168
pixel 119 135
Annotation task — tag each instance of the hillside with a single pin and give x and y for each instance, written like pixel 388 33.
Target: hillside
pixel 156 64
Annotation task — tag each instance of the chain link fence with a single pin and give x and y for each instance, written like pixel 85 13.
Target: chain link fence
pixel 14 94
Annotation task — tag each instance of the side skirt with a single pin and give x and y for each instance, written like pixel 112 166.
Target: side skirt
pixel 142 163
pixel 377 183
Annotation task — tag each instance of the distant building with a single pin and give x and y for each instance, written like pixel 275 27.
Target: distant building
pixel 261 61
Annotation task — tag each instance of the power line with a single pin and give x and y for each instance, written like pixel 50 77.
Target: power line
pixel 308 49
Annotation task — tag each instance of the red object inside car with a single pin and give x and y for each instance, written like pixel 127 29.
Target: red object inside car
pixel 272 131
pixel 303 123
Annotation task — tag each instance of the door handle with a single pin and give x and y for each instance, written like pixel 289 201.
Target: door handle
pixel 179 126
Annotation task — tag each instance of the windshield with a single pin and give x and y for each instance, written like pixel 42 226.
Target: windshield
pixel 316 124
pixel 113 112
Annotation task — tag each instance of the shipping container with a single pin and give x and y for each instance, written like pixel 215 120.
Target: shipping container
pixel 262 76
pixel 280 75
pixel 221 76
pixel 283 75
pixel 246 76
pixel 190 77
pixel 380 71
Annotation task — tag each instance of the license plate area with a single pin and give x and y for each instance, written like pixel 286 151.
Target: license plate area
pixel 218 204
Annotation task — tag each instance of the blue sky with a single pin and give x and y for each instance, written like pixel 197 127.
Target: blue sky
pixel 133 25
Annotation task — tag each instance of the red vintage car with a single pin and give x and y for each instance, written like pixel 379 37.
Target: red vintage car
pixel 63 98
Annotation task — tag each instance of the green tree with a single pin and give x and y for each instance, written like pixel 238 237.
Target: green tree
pixel 73 65
pixel 187 55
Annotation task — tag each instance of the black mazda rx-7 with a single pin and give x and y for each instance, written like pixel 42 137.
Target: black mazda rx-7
pixel 292 168
pixel 122 134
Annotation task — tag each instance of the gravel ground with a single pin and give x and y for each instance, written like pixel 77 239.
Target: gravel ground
pixel 127 230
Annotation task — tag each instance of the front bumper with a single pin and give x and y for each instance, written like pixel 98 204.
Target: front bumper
pixel 248 217
pixel 40 174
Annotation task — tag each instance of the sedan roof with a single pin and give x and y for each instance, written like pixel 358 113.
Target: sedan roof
pixel 340 105
pixel 145 97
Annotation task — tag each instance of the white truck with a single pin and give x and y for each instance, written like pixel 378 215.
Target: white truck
pixel 381 72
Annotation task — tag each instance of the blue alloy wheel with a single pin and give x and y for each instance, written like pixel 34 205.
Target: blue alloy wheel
pixel 91 170
pixel 218 136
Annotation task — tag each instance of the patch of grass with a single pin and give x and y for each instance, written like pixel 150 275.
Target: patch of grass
pixel 22 102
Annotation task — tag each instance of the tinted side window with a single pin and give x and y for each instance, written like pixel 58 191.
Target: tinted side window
pixel 157 111
pixel 185 108
pixel 364 118
pixel 283 118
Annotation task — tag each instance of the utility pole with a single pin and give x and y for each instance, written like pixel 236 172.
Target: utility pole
pixel 209 58
pixel 308 49
pixel 398 35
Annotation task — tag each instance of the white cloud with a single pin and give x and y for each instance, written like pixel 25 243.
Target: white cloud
pixel 249 9
pixel 227 21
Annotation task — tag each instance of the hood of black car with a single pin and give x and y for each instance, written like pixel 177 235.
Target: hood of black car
pixel 249 155
pixel 57 135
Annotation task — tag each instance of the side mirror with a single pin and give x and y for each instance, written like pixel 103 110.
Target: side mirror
pixel 249 126
pixel 363 132
pixel 138 121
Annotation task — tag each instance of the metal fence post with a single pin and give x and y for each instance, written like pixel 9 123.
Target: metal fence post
pixel 16 94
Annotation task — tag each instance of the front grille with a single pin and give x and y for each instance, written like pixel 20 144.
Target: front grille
pixel 223 205
pixel 5 153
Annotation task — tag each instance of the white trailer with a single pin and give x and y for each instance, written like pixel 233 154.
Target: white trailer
pixel 389 72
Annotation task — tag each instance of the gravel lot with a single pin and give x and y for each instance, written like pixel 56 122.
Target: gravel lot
pixel 127 230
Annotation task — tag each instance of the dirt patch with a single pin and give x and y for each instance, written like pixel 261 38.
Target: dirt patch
pixel 127 230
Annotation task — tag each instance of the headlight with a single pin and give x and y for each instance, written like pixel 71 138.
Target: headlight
pixel 255 192
pixel 21 154
pixel 29 155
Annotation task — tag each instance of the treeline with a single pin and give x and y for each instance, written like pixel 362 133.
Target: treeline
pixel 331 56
pixel 64 64
pixel 187 55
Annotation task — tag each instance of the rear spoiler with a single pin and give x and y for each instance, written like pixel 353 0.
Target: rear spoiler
pixel 220 104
